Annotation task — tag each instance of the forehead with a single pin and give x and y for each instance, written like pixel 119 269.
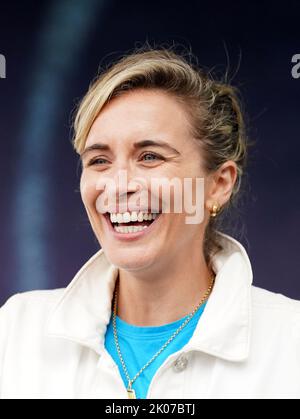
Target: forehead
pixel 140 114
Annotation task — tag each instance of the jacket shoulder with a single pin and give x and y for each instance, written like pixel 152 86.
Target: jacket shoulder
pixel 30 303
pixel 273 301
pixel 276 314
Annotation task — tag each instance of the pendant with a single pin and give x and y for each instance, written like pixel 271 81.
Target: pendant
pixel 131 393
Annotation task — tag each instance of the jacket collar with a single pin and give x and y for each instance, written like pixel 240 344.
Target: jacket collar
pixel 84 309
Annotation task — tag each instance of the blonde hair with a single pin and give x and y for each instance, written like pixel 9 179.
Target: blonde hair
pixel 214 109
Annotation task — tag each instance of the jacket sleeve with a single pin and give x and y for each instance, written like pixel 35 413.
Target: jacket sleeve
pixel 6 320
pixel 3 338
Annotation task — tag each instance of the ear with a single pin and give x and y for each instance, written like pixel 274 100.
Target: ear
pixel 221 184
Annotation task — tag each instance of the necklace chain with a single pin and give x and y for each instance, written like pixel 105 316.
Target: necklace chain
pixel 190 316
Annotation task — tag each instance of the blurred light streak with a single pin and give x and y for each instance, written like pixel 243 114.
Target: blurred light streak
pixel 64 34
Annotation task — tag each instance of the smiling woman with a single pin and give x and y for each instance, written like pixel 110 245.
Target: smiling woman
pixel 166 308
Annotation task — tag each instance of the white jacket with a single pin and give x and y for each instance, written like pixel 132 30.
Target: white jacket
pixel 246 344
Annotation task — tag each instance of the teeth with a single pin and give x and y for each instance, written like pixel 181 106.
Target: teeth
pixel 126 217
pixel 129 229
pixel 113 218
pixel 133 216
pixel 140 217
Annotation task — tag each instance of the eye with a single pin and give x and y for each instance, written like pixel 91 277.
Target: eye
pixel 156 156
pixel 97 162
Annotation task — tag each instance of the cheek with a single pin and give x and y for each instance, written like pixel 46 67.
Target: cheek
pixel 88 190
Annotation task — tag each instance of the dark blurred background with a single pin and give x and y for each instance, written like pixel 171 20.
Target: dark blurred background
pixel 54 48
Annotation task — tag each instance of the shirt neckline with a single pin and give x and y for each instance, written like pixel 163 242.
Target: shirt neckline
pixel 129 330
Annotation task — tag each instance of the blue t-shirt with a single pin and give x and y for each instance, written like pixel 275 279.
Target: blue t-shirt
pixel 138 344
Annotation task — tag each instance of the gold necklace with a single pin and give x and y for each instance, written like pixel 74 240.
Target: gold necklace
pixel 130 390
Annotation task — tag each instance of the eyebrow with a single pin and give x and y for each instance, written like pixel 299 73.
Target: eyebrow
pixel 137 145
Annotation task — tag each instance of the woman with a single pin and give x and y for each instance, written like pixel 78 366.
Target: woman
pixel 166 308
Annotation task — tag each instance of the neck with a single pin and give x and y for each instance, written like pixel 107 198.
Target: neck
pixel 163 294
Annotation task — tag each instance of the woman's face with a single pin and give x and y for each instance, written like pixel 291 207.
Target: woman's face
pixel 132 118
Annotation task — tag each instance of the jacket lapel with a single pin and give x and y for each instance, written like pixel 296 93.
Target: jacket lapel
pixel 84 310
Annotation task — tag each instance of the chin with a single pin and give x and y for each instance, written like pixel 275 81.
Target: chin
pixel 133 259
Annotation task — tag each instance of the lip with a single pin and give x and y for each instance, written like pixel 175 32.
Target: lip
pixel 127 237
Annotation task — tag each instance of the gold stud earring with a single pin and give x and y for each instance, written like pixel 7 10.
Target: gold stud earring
pixel 215 210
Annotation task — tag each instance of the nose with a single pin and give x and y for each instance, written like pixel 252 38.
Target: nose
pixel 125 182
pixel 118 188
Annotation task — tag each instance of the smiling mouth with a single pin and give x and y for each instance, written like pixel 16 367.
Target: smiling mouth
pixel 130 227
